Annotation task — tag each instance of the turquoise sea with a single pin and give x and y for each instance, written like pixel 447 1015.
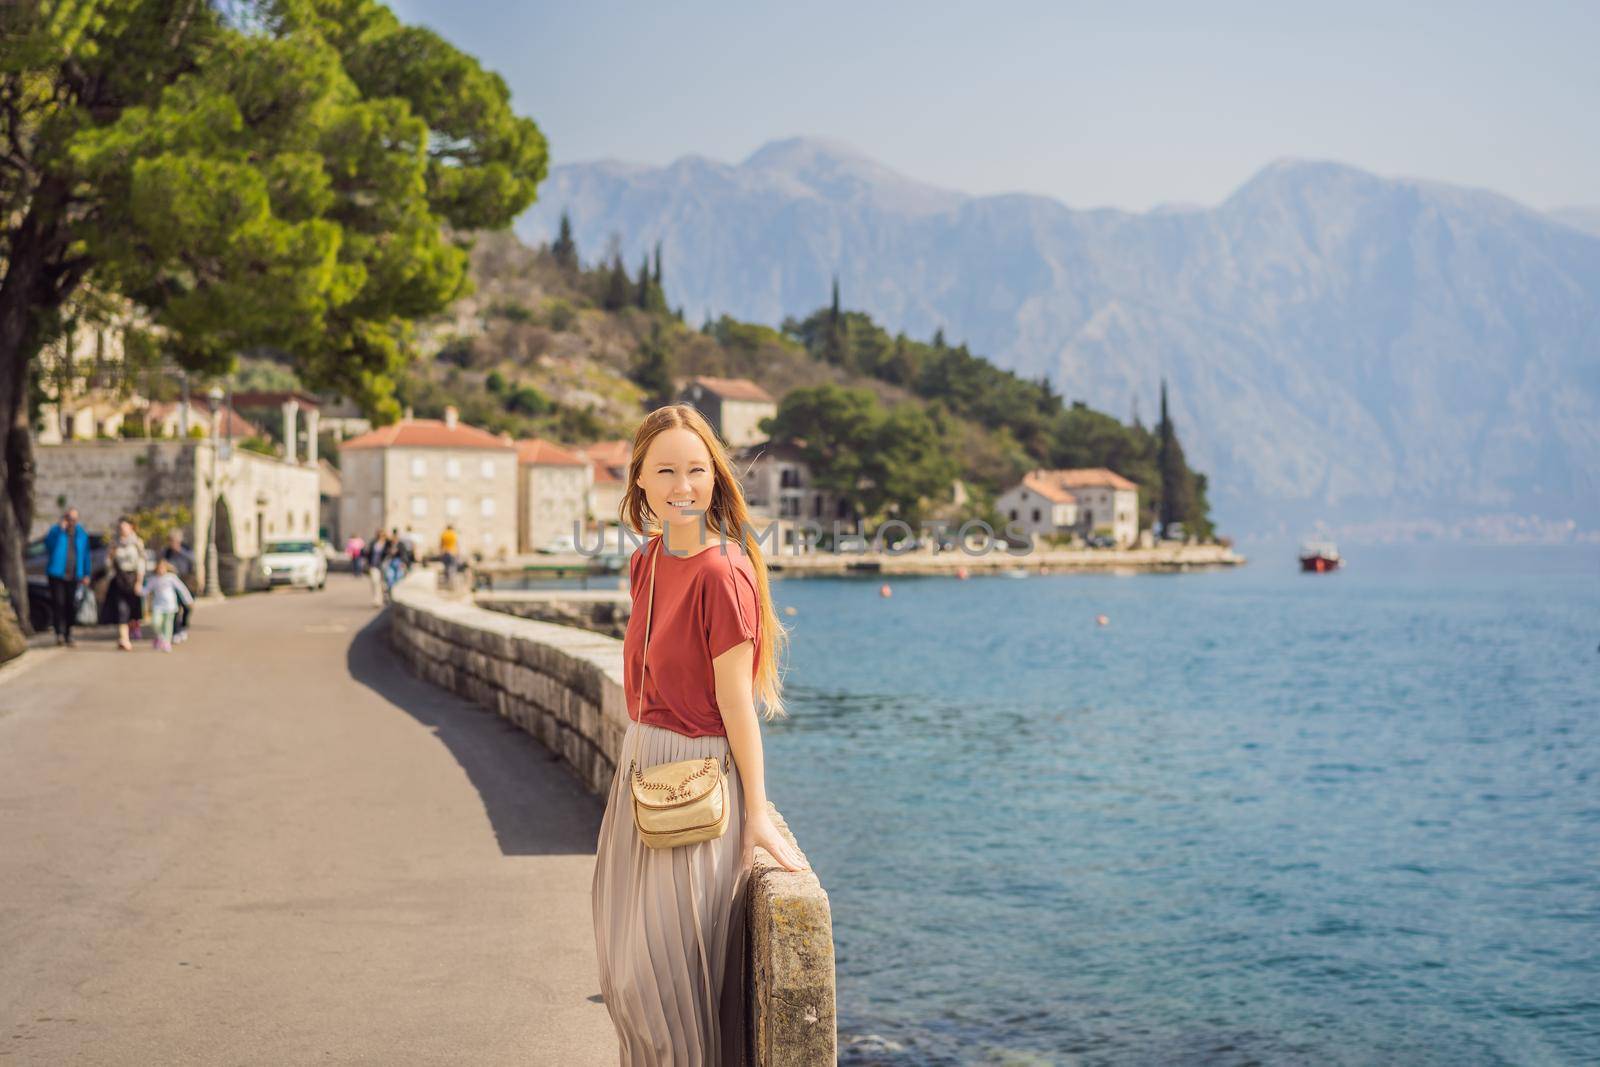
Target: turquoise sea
pixel 1259 817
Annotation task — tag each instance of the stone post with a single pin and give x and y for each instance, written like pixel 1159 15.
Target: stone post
pixel 290 446
pixel 313 420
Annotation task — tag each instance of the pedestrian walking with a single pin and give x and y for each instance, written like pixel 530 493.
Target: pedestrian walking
pixel 373 562
pixel 449 553
pixel 167 594
pixel 125 592
pixel 355 548
pixel 67 569
pixel 181 561
pixel 702 645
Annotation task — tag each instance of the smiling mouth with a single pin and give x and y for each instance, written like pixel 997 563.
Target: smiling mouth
pixel 680 503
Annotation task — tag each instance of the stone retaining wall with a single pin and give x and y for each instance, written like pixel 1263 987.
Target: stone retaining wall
pixel 564 685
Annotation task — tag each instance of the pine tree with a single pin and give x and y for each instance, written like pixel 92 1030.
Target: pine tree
pixel 565 249
pixel 617 287
pixel 642 290
pixel 1177 488
pixel 833 342
pixel 658 265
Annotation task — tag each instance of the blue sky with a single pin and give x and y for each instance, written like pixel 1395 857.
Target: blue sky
pixel 1125 105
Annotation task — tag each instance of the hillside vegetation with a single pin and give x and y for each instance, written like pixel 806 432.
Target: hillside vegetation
pixel 546 346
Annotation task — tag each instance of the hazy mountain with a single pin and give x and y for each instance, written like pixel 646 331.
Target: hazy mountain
pixel 1586 219
pixel 1338 346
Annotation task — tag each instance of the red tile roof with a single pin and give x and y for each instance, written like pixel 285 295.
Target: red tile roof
pixel 615 453
pixel 233 423
pixel 1079 478
pixel 533 450
pixel 1040 482
pixel 428 433
pixel 731 388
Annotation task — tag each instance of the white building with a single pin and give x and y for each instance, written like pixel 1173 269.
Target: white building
pixel 1081 501
pixel 425 474
pixel 554 492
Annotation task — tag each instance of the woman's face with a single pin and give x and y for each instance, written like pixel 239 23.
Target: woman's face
pixel 124 530
pixel 677 479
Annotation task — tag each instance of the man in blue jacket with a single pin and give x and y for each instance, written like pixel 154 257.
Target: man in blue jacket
pixel 67 567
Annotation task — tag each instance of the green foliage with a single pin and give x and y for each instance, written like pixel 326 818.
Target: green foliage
pixel 559 315
pixel 155 525
pixel 881 462
pixel 652 369
pixel 511 311
pixel 526 400
pixel 275 172
pixel 618 289
pixel 565 249
pixel 495 382
pixel 259 444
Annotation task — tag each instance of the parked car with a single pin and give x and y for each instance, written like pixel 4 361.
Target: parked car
pixel 294 563
pixel 852 543
pixel 1102 541
pixel 563 544
pixel 35 559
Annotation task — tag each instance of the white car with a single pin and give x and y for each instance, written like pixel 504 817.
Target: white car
pixel 294 563
pixel 563 544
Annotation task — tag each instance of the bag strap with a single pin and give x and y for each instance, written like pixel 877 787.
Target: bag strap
pixel 648 611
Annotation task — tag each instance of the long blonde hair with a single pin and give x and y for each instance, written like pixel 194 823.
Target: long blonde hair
pixel 728 515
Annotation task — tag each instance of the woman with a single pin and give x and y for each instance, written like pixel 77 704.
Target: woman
pixel 669 923
pixel 125 592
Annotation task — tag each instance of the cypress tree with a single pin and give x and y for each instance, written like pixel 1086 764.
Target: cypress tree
pixel 565 248
pixel 1177 493
pixel 617 287
pixel 658 265
pixel 642 293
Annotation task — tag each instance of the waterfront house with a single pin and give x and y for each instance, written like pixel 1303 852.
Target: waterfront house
pixel 424 474
pixel 1078 500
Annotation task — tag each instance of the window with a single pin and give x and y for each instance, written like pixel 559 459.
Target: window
pixel 419 507
pixel 452 505
pixel 452 469
pixel 1013 514
pixel 486 507
pixel 1035 514
pixel 419 467
pixel 486 468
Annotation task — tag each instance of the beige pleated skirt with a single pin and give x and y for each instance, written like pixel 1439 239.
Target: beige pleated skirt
pixel 669 924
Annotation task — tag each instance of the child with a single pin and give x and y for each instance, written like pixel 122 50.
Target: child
pixel 165 590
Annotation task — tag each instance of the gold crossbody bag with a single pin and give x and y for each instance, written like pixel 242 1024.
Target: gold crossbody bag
pixel 682 802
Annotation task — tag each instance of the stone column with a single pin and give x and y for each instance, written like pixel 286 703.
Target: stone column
pixel 313 418
pixel 290 446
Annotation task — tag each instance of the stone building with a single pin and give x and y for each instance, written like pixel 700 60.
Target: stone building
pixel 425 474
pixel 553 491
pixel 1079 501
pixel 254 498
pixel 733 406
pixel 608 478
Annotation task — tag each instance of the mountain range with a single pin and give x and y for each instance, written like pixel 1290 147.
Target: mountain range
pixel 1344 352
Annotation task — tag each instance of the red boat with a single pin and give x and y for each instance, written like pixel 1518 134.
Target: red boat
pixel 1319 556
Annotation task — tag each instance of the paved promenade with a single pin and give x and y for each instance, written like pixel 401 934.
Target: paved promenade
pixel 273 846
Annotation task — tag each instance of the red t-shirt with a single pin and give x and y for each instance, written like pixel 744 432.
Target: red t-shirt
pixel 705 604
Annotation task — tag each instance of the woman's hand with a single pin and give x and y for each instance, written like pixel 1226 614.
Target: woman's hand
pixel 759 829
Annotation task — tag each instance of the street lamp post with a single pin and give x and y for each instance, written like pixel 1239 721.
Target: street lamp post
pixel 213 571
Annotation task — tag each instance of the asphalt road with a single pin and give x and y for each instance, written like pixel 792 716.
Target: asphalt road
pixel 275 846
